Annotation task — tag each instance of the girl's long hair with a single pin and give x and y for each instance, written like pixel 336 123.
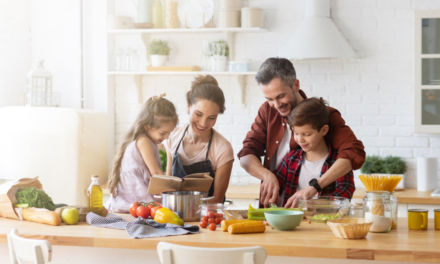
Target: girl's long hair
pixel 155 112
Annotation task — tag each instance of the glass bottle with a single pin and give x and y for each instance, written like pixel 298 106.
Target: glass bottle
pixel 95 196
pixel 381 208
pixel 157 14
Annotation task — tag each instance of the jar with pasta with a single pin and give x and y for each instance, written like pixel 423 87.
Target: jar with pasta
pixel 379 208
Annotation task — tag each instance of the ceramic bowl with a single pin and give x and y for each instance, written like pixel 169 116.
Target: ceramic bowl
pixel 284 219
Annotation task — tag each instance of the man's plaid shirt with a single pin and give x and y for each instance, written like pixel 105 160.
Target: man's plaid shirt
pixel 288 175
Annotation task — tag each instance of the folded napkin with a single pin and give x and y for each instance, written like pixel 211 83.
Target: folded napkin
pixel 140 228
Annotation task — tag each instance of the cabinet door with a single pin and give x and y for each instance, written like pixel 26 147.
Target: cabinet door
pixel 427 62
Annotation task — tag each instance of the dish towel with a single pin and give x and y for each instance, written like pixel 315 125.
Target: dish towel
pixel 140 228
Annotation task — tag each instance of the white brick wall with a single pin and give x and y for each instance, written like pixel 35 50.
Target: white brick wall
pixel 374 93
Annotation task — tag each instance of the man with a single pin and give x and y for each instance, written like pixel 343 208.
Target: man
pixel 270 135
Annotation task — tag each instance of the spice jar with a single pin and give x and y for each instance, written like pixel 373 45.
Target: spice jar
pixel 380 207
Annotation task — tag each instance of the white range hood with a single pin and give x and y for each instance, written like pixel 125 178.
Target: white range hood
pixel 317 37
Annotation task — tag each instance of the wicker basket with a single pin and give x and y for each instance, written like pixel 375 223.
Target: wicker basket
pixel 351 228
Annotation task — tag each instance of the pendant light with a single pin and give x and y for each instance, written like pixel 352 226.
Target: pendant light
pixel 317 37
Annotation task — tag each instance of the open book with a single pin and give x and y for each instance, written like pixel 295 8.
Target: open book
pixel 192 182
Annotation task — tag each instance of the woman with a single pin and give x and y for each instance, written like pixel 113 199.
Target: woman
pixel 197 147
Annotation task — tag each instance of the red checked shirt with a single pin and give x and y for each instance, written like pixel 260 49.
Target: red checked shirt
pixel 288 175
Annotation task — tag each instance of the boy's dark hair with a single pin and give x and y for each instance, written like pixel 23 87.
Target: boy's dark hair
pixel 312 111
pixel 276 67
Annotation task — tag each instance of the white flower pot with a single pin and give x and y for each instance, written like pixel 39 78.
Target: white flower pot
pixel 158 60
pixel 217 63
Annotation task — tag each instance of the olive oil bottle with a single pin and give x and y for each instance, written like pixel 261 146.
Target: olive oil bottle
pixel 95 197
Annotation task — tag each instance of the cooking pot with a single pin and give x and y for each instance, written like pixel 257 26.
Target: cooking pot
pixel 185 203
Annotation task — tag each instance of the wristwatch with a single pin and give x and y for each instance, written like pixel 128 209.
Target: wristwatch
pixel 314 183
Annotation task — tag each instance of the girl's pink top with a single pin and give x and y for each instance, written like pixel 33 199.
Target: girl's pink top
pixel 134 181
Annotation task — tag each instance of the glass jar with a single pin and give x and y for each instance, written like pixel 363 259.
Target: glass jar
pixel 380 207
pixel 214 211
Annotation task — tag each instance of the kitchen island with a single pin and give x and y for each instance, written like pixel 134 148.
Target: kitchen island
pixel 308 240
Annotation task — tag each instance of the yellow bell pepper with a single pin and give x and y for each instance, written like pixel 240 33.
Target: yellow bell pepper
pixel 165 215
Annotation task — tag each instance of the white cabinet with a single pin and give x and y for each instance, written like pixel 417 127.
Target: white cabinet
pixel 427 69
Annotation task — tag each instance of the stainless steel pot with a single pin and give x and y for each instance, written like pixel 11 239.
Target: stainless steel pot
pixel 185 203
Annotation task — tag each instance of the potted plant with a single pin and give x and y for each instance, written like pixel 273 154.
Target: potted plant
pixel 390 165
pixel 218 53
pixel 158 51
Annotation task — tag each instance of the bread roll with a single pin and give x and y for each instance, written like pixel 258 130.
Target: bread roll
pixel 41 215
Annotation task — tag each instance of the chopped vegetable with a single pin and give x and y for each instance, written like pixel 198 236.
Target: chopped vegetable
pixel 324 217
pixel 258 214
pixel 247 227
pixel 34 198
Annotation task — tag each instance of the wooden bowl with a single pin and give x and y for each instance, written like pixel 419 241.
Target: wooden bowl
pixel 350 228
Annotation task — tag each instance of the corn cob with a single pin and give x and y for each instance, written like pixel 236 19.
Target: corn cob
pixel 226 223
pixel 247 227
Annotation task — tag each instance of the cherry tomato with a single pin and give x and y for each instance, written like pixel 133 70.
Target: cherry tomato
pixel 154 210
pixel 218 220
pixel 211 214
pixel 203 224
pixel 133 208
pixel 143 212
pixel 212 226
pixel 204 218
pixel 211 220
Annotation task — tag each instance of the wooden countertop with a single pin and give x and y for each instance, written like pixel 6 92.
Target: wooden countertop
pixel 408 196
pixel 308 240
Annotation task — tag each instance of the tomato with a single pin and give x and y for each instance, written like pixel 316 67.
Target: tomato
pixel 153 204
pixel 143 212
pixel 203 224
pixel 211 220
pixel 211 214
pixel 133 208
pixel 212 226
pixel 218 220
pixel 204 218
pixel 154 210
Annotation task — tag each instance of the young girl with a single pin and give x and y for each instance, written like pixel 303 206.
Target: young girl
pixel 138 157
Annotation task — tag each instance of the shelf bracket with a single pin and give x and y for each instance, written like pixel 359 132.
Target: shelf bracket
pixel 230 39
pixel 138 82
pixel 241 81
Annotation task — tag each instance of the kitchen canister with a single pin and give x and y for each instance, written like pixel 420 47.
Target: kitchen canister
pixel 426 174
pixel 380 207
pixel 251 17
pixel 228 19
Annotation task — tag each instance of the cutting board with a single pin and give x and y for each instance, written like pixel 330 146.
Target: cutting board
pixel 174 68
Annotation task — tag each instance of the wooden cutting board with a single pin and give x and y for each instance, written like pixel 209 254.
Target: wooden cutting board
pixel 174 68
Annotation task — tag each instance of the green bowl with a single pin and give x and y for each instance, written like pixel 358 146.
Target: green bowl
pixel 284 220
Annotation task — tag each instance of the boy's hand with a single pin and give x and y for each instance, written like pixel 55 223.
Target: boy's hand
pixel 304 194
pixel 269 190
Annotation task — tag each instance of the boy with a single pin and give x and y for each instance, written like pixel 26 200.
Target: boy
pixel 302 167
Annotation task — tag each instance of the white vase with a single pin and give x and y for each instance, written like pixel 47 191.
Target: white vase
pixel 158 60
pixel 218 63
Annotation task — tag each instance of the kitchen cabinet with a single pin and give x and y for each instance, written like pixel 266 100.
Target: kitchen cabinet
pixel 427 71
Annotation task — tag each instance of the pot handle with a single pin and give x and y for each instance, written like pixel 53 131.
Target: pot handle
pixel 207 198
pixel 156 196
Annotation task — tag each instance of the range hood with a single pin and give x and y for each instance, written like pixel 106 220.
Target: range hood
pixel 317 37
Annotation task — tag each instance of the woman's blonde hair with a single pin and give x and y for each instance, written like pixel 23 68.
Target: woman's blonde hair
pixel 155 112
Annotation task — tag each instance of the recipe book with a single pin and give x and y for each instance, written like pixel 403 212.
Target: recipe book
pixel 192 182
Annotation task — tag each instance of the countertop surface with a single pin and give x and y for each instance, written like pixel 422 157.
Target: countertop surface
pixel 409 196
pixel 308 240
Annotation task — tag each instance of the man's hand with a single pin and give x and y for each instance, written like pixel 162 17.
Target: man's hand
pixel 304 194
pixel 269 189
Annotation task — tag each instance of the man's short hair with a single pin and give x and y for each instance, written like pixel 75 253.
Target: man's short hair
pixel 312 111
pixel 276 67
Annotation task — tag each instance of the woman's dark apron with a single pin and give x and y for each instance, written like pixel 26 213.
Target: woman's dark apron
pixel 180 170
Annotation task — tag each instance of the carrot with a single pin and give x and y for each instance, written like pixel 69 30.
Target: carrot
pixel 247 227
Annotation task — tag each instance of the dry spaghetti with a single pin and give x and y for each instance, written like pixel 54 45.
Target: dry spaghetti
pixel 380 183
